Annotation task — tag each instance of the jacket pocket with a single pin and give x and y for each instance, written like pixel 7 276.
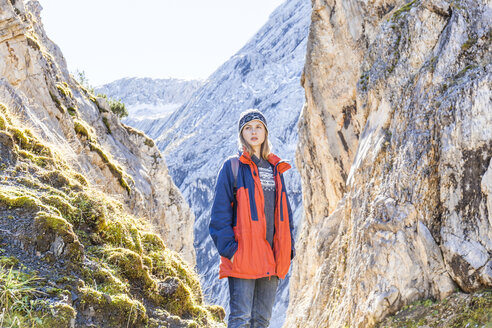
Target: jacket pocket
pixel 236 261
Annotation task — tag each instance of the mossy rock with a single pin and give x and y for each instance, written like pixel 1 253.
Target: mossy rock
pixel 72 111
pixel 175 296
pixel 55 233
pixel 152 242
pixel 11 199
pixel 167 263
pixel 90 211
pixel 130 264
pixel 41 161
pixel 116 233
pixel 112 311
pixel 105 279
pixel 60 203
pixel 217 312
pixel 55 178
pixel 56 315
pixel 82 129
pixel 64 90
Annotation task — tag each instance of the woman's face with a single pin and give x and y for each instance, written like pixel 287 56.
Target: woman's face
pixel 254 133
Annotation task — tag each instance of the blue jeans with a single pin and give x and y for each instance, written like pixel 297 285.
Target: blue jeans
pixel 251 301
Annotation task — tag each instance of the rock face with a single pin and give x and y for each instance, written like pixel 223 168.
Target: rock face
pixel 121 161
pixel 198 137
pixel 395 147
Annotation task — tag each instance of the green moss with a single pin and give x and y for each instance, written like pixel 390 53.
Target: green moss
pixel 151 242
pixel 123 256
pixel 217 312
pixel 80 179
pixel 132 310
pixel 130 264
pixel 118 311
pixel 399 12
pixel 60 203
pixel 48 227
pixel 57 315
pixel 105 280
pixel 469 43
pixel 166 263
pixel 72 111
pixel 55 178
pixel 82 129
pixel 90 211
pixel 53 222
pixel 149 142
pixel 3 122
pixel 106 123
pixel 116 234
pixel 8 261
pixel 20 137
pixel 175 296
pixel 457 311
pixel 33 43
pixel 57 102
pixel 64 90
pixel 134 233
pixel 477 312
pixel 42 161
pixel 12 199
pixel 464 70
pixel 115 170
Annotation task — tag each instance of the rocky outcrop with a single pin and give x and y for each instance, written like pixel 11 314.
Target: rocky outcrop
pixel 38 89
pixel 395 148
pixel 93 231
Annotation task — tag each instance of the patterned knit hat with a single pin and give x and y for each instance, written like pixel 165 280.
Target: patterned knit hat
pixel 250 115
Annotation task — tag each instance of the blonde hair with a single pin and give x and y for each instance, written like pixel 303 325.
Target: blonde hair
pixel 265 149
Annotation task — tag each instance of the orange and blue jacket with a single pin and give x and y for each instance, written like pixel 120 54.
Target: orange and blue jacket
pixel 240 230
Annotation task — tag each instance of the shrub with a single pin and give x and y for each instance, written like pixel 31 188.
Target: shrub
pixel 118 107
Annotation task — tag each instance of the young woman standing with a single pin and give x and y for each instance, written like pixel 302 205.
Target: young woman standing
pixel 251 224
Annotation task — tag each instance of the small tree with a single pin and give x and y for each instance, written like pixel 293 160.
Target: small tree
pixel 118 107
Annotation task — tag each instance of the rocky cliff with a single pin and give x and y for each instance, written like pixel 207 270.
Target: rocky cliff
pixel 90 221
pixel 119 160
pixel 395 146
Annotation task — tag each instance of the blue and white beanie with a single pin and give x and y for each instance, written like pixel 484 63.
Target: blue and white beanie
pixel 250 115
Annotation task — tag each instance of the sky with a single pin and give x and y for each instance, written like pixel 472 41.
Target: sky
pixel 112 39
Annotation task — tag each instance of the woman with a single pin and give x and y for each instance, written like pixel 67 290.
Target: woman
pixel 251 224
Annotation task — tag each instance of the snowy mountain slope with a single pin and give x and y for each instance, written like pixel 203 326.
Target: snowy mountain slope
pixel 149 99
pixel 196 139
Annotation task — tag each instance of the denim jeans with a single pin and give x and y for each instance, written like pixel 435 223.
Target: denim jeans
pixel 251 301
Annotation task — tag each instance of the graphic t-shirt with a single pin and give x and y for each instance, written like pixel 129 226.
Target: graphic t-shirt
pixel 265 170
